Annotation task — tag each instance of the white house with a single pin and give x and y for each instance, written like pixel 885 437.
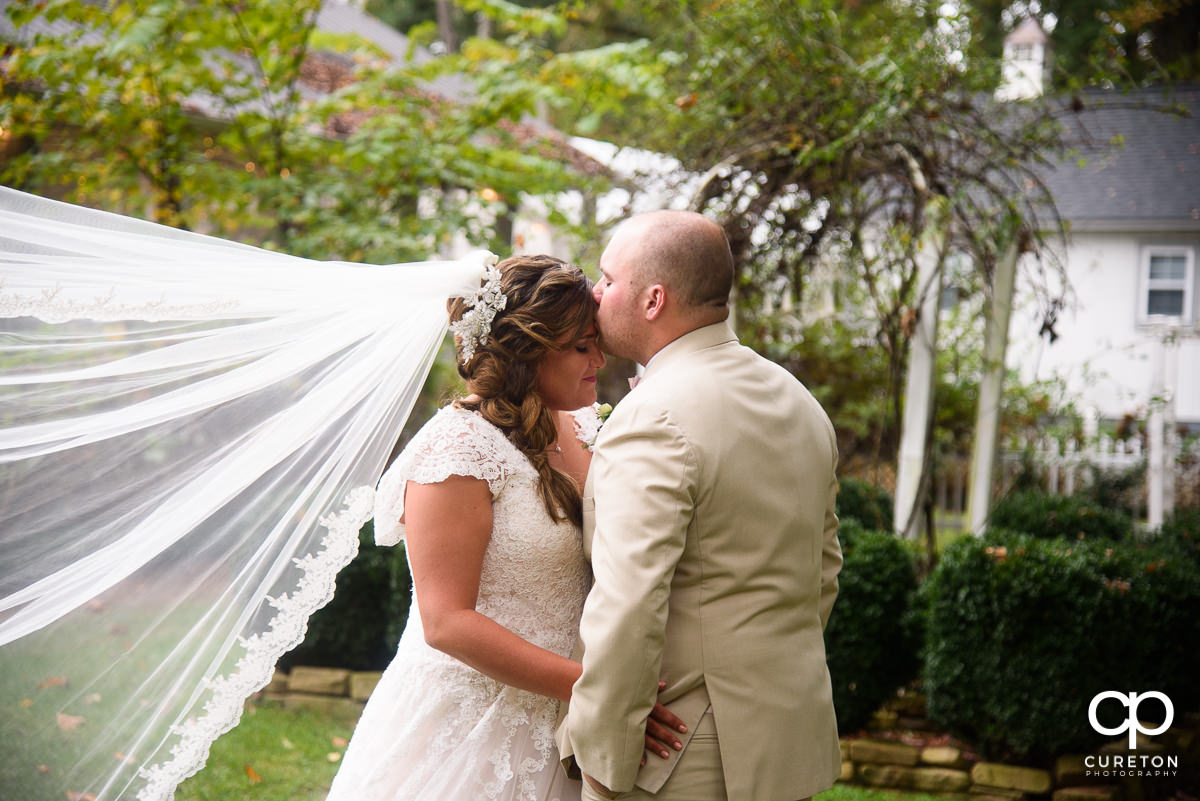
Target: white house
pixel 1127 338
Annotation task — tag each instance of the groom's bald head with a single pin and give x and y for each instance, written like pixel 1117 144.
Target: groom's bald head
pixel 685 252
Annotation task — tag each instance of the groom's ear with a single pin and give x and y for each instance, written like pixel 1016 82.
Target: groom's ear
pixel 655 301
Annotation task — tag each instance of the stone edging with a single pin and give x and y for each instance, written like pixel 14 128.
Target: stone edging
pixel 322 684
pixel 952 772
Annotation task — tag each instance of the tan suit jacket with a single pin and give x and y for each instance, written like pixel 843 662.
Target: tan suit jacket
pixel 709 516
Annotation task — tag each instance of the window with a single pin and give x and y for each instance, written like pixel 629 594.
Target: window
pixel 1022 51
pixel 1167 281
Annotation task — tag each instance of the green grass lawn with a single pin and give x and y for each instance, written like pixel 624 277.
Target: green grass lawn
pixel 276 753
pixel 287 754
pixel 847 792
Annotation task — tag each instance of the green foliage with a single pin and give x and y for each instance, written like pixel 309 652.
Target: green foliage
pixel 1122 491
pixel 128 106
pixel 1049 516
pixel 848 370
pixel 850 792
pixel 801 116
pixel 1022 633
pixel 194 114
pixel 871 641
pixel 1181 533
pixel 361 627
pixel 868 505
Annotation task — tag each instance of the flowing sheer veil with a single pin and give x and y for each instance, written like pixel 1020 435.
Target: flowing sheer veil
pixel 190 435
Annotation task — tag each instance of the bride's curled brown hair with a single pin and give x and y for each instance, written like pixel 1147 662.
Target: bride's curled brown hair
pixel 549 307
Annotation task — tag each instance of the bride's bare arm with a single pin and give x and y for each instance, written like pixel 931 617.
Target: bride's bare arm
pixel 448 526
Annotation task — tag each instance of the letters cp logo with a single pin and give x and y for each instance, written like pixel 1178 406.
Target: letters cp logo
pixel 1132 724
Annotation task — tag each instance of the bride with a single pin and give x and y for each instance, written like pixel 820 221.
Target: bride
pixel 192 434
pixel 487 498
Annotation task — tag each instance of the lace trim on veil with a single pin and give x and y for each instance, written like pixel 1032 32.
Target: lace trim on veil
pixel 253 671
pixel 53 306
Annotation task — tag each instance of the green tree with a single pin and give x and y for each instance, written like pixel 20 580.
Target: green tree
pixel 817 131
pixel 174 109
pixel 238 118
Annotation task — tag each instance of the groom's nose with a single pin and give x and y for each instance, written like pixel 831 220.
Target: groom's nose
pixel 598 290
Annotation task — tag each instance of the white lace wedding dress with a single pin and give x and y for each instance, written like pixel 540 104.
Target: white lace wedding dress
pixel 435 729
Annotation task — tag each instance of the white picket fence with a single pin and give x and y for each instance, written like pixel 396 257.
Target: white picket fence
pixel 1062 468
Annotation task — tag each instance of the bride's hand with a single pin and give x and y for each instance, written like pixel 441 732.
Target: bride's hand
pixel 661 728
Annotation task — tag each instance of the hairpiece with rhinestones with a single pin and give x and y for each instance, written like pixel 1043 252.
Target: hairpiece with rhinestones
pixel 473 328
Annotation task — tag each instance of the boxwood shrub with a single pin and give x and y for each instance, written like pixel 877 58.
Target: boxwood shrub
pixel 871 641
pixel 1021 634
pixel 870 505
pixel 1050 516
pixel 1182 532
pixel 360 627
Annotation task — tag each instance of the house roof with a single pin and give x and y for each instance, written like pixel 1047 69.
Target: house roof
pixel 1135 162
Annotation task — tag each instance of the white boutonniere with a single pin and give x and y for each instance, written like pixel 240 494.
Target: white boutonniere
pixel 589 421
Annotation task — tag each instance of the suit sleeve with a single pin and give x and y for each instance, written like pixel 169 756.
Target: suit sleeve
pixel 831 558
pixel 831 549
pixel 645 478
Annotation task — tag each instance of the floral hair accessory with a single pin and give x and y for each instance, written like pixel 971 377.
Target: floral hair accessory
pixel 473 328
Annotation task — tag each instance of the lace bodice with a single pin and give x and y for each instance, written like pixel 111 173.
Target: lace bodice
pixel 434 727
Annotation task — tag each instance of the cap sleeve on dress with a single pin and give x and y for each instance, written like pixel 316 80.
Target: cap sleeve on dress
pixel 455 442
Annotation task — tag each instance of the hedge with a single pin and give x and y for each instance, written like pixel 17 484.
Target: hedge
pixel 1049 516
pixel 361 626
pixel 871 641
pixel 1181 531
pixel 866 503
pixel 1022 632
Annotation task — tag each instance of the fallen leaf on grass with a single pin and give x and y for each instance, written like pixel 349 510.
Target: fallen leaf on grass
pixel 253 775
pixel 25 703
pixel 91 699
pixel 339 742
pixel 70 722
pixel 52 681
pixel 43 769
pixel 288 744
pixel 334 756
pixel 74 796
pixel 128 760
pixel 96 605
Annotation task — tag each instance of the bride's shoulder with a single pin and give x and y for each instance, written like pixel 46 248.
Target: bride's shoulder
pixel 458 431
pixel 453 420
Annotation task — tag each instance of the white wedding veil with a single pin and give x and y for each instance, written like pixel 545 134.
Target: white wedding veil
pixel 190 435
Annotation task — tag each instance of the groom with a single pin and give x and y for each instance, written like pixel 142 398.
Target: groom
pixel 710 515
